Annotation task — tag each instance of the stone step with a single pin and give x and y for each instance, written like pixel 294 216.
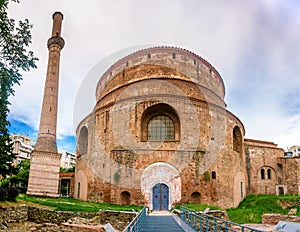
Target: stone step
pixel 160 223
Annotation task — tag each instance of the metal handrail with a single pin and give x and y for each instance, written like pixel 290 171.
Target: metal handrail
pixel 204 222
pixel 136 224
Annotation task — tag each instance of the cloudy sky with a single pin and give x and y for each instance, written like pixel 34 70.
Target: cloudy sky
pixel 255 46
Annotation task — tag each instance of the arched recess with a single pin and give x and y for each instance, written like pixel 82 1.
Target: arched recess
pixel 125 198
pixel 82 143
pixel 163 173
pixel 239 188
pixel 80 190
pixel 237 138
pixel 157 115
pixel 196 198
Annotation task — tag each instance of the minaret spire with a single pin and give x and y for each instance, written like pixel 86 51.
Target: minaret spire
pixel 45 161
pixel 47 131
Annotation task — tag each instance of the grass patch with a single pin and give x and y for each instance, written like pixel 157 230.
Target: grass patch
pixel 251 209
pixel 69 204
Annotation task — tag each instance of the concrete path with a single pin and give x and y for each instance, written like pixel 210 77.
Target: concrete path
pixel 159 221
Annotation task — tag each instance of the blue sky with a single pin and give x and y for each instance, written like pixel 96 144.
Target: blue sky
pixel 254 45
pixel 67 143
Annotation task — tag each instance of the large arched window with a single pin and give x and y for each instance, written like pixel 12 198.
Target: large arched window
pixel 160 128
pixel 160 122
pixel 83 141
pixel 237 139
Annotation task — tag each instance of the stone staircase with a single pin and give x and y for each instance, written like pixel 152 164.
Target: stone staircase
pixel 164 221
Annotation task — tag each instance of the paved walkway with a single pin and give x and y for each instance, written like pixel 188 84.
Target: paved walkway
pixel 164 221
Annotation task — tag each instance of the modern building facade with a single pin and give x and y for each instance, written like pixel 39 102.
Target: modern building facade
pixel 23 147
pixel 68 159
pixel 295 151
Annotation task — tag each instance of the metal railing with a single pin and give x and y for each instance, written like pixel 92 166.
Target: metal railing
pixel 206 223
pixel 137 223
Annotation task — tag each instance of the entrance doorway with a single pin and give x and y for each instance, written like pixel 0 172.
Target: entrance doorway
pixel 160 197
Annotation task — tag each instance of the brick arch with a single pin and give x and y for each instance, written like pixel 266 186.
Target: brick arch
pixel 125 198
pixel 196 198
pixel 82 143
pixel 160 109
pixel 165 173
pixel 81 186
pixel 237 139
pixel 239 188
pixel 266 173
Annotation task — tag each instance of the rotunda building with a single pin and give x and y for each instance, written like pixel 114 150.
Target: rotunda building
pixel 160 134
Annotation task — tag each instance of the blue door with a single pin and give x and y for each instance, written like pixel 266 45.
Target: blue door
pixel 160 197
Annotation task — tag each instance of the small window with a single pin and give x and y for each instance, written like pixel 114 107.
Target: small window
pixel 242 193
pixel 149 55
pixel 213 175
pixel 262 174
pixel 269 173
pixel 78 190
pixel 174 55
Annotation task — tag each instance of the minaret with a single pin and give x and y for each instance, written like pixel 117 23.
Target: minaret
pixel 45 161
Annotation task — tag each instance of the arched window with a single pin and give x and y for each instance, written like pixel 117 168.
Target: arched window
pixel 213 175
pixel 237 139
pixel 160 128
pixel 160 122
pixel 125 198
pixel 83 141
pixel 269 173
pixel 262 174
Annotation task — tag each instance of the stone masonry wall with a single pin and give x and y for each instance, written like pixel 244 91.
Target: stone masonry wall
pixel 290 174
pixel 263 155
pixel 38 215
pixel 273 219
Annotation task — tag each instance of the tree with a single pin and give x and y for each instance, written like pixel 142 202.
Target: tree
pixel 14 57
pixel 20 179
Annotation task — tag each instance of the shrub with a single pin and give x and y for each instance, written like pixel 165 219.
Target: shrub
pixel 206 176
pixel 8 194
pixel 3 194
pixel 5 183
pixel 12 193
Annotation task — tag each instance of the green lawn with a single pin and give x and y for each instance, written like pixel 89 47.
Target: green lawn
pixel 251 209
pixel 69 204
